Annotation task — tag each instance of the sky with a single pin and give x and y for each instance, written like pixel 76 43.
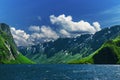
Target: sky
pixel 45 20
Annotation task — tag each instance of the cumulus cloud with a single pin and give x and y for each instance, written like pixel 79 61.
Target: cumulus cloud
pixel 66 27
pixel 20 37
pixel 69 25
pixel 34 28
pixel 45 34
pixel 40 34
pixel 48 32
pixel 96 25
pixel 64 33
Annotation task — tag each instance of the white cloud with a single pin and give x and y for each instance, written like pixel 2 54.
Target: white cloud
pixel 64 33
pixel 43 32
pixel 46 33
pixel 34 28
pixel 66 28
pixel 69 25
pixel 36 35
pixel 96 25
pixel 20 37
pixel 40 34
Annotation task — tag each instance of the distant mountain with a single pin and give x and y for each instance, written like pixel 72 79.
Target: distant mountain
pixel 64 50
pixel 108 53
pixel 8 49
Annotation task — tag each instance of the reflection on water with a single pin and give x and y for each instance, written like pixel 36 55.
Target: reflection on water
pixel 59 72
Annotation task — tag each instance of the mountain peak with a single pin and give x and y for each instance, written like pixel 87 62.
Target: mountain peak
pixel 5 28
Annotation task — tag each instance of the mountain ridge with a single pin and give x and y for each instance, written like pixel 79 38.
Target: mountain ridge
pixel 64 50
pixel 108 53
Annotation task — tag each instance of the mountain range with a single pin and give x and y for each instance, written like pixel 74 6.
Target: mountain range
pixel 103 47
pixel 73 50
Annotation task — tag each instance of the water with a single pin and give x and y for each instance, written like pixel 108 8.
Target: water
pixel 59 72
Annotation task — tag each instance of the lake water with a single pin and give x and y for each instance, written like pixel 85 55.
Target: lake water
pixel 59 72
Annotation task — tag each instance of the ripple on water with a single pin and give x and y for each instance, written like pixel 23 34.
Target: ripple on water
pixel 60 72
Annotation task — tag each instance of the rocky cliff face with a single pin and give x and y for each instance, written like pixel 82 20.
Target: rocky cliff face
pixel 8 49
pixel 5 28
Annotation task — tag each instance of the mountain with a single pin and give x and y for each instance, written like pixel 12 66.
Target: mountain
pixel 108 53
pixel 8 49
pixel 64 50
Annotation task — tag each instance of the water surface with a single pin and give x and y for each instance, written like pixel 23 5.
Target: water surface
pixel 59 72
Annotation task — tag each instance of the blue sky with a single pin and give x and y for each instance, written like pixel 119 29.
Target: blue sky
pixel 21 14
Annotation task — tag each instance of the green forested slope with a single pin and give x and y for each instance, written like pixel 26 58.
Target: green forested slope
pixel 108 53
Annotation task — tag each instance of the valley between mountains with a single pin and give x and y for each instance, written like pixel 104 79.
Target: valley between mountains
pixel 103 47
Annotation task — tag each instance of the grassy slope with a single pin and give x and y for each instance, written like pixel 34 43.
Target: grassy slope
pixel 59 58
pixel 111 47
pixel 20 59
pixel 24 60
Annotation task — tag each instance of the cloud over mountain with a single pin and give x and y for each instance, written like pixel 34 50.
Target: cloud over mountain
pixel 45 34
pixel 20 37
pixel 66 27
pixel 40 34
pixel 69 25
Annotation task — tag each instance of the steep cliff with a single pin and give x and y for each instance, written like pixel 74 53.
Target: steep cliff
pixel 8 50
